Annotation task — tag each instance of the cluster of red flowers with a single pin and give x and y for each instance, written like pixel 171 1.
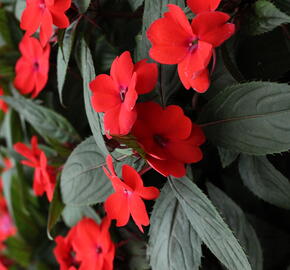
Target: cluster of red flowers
pixel 44 174
pixel 87 246
pixel 33 66
pixel 192 45
pixel 7 228
pixel 167 138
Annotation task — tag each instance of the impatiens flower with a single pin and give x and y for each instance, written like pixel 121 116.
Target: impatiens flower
pixel 32 68
pixel 128 196
pixel 198 6
pixel 93 245
pixel 168 137
pixel 43 14
pixel 44 174
pixel 3 104
pixel 192 45
pixel 64 252
pixel 116 95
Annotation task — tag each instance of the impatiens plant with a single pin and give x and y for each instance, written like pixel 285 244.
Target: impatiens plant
pixel 107 162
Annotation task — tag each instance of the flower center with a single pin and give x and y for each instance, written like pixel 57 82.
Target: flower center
pixel 99 249
pixel 123 91
pixel 42 4
pixel 35 66
pixel 160 140
pixel 192 45
pixel 127 192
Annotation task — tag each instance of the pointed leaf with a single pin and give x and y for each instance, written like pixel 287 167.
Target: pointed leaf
pixel 261 177
pixel 173 243
pixel 250 118
pixel 94 118
pixel 209 225
pixel 236 219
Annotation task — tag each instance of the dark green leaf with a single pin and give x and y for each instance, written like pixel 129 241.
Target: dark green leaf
pixel 63 56
pixel 261 177
pixel 227 157
pixel 209 225
pixel 135 3
pixel 55 209
pixel 283 5
pixel 18 251
pixel 266 17
pixel 250 118
pixel 236 219
pixel 72 214
pixel 46 122
pixel 83 5
pixel 4 27
pixel 94 118
pixel 83 181
pixel 173 243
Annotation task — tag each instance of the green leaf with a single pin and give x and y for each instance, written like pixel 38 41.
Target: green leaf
pixel 135 3
pixel 209 225
pixel 283 5
pixel 4 27
pixel 83 181
pixel 261 177
pixel 266 17
pixel 236 219
pixel 83 5
pixel 227 157
pixel 94 118
pixel 19 251
pixel 251 118
pixel 173 242
pixel 46 122
pixel 55 209
pixel 72 214
pixel 63 56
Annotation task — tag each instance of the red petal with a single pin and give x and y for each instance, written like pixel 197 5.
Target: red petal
pixel 147 75
pixel 167 167
pixel 200 81
pixel 25 151
pixel 197 136
pixel 149 193
pixel 131 177
pixel 31 18
pixel 194 62
pixel 106 95
pixel 109 161
pixel 168 48
pixel 138 211
pixel 117 208
pixel 131 96
pixel 45 28
pixel 184 152
pixel 198 6
pixel 38 186
pixel 61 5
pixel 122 69
pixel 212 27
pixel 59 18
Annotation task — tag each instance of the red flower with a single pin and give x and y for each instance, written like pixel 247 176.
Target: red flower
pixel 44 174
pixel 116 94
pixel 43 14
pixel 64 252
pixel 3 267
pixel 32 68
pixel 128 196
pixel 93 245
pixel 168 137
pixel 191 46
pixel 198 6
pixel 3 104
